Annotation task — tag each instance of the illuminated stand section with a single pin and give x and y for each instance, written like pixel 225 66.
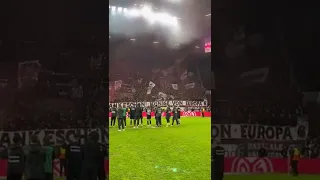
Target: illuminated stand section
pixel 146 12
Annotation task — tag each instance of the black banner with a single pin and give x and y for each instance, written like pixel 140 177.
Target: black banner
pixel 56 137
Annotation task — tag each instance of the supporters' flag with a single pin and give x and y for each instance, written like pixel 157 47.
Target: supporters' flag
pixel 175 86
pixel 254 76
pixel 184 75
pixel 162 96
pixel 117 84
pixel 3 83
pixel 190 85
pixel 151 86
pixel 28 72
pixel 302 128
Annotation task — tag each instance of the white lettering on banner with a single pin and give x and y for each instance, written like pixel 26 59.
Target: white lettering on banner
pixel 57 137
pixel 189 113
pixel 248 131
pixel 162 103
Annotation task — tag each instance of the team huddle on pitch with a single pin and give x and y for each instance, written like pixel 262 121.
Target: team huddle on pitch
pixel 136 116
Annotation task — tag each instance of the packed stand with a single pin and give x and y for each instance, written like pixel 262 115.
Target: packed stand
pixel 44 99
pixel 161 73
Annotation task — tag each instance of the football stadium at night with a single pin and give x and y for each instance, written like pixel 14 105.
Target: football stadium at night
pixel 160 60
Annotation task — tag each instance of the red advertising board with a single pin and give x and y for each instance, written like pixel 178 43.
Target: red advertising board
pixel 183 113
pixel 253 165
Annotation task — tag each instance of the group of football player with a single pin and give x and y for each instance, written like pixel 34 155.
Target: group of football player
pixel 135 113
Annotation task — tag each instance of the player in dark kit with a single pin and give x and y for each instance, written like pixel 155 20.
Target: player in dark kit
pixel 74 160
pixel 103 154
pixel 50 156
pixel 168 115
pixel 113 116
pixel 35 157
pixel 175 116
pixel 91 158
pixel 125 115
pixel 16 160
pixel 132 114
pixel 217 165
pixel 179 113
pixel 141 117
pixel 158 116
pixel 120 113
pixel 148 116
pixel 137 116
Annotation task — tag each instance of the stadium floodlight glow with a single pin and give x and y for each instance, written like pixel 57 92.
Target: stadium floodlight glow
pixel 147 13
pixel 166 19
pixel 113 10
pixel 134 12
pixel 132 39
pixel 208 15
pixel 155 42
pixel 120 9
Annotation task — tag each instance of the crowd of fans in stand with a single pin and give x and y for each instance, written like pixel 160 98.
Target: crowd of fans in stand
pixel 136 90
pixel 49 105
pixel 271 114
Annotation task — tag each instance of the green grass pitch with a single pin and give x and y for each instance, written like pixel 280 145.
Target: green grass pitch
pixel 175 153
pixel 270 177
